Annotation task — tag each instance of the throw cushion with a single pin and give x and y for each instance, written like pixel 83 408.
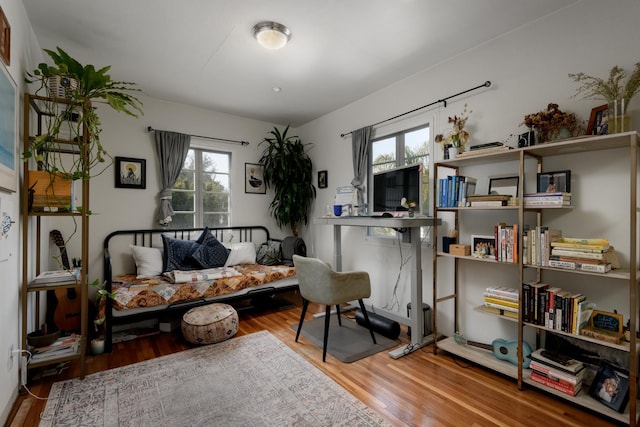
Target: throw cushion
pixel 241 253
pixel 210 253
pixel 178 254
pixel 269 253
pixel 148 261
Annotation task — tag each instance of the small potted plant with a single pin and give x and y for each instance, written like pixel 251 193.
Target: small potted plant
pixel 409 205
pixel 457 138
pixel 552 124
pixel 614 91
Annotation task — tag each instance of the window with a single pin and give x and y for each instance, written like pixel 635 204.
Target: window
pixel 202 194
pixel 403 148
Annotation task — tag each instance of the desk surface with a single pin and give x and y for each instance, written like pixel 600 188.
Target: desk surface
pixel 365 221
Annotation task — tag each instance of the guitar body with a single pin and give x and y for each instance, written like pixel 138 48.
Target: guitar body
pixel 502 349
pixel 65 302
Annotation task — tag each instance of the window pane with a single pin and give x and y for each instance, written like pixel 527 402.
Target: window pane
pixel 190 161
pixel 181 220
pixel 216 220
pixel 215 162
pixel 185 180
pixel 183 201
pixel 215 202
pixel 383 154
pixel 416 146
pixel 215 182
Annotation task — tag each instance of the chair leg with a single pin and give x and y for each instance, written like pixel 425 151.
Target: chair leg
pixel 305 304
pixel 366 318
pixel 338 313
pixel 327 318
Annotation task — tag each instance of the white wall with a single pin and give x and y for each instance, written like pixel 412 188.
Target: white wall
pixel 24 53
pixel 528 69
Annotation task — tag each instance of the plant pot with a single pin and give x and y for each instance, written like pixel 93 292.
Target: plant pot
pixel 453 152
pixel 61 86
pixel 97 346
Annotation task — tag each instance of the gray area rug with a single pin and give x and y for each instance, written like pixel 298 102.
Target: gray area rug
pixel 251 380
pixel 347 343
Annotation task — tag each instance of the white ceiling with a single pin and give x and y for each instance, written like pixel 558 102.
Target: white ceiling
pixel 202 52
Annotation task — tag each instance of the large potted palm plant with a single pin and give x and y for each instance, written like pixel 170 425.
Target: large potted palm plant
pixel 288 171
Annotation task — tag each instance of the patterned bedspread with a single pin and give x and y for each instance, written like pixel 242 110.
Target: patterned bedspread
pixel 130 292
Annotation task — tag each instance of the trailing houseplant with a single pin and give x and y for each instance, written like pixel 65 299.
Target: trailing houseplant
pixel 83 86
pixel 288 171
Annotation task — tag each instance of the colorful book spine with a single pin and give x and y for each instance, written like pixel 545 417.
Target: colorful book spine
pixel 564 388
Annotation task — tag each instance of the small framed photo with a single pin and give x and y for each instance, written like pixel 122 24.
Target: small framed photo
pixel 507 186
pixel 322 179
pixel 254 179
pixel 554 182
pixel 598 121
pixel 611 387
pixel 131 173
pixel 483 245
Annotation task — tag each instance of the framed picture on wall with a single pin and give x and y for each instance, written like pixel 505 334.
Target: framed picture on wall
pixel 322 179
pixel 254 179
pixel 8 131
pixel 131 173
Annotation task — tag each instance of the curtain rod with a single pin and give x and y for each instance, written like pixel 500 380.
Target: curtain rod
pixel 150 129
pixel 443 100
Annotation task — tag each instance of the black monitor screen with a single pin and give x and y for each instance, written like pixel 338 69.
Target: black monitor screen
pixel 389 187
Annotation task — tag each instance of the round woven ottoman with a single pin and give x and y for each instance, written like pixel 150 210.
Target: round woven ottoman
pixel 210 324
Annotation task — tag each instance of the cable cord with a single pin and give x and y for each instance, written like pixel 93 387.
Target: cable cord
pixel 394 296
pixel 24 385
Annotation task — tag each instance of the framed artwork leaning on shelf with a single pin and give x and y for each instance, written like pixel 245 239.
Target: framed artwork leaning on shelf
pixel 598 121
pixel 554 182
pixel 506 186
pixel 611 387
pixel 485 245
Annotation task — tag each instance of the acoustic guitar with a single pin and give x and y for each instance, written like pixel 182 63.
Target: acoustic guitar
pixel 67 304
pixel 502 349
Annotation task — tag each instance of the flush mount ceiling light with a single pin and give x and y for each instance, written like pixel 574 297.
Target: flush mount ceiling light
pixel 271 35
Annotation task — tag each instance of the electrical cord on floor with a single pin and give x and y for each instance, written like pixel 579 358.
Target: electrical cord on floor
pixel 22 375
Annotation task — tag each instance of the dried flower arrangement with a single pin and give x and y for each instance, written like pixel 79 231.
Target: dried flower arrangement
pixel 457 137
pixel 549 122
pixel 611 89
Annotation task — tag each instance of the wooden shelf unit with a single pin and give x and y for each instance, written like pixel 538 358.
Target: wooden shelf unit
pixel 34 236
pixel 628 276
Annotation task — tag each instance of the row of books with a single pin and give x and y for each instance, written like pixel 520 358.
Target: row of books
pixel 454 190
pixel 506 237
pixel 555 308
pixel 536 245
pixel 531 200
pixel 558 372
pixel 502 301
pixel 61 347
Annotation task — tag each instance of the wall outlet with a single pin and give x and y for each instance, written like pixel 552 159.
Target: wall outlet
pixel 10 360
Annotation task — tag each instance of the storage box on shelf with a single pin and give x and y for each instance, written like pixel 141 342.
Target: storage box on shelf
pixel 625 274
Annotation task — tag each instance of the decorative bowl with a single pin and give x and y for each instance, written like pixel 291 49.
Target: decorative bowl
pixel 38 339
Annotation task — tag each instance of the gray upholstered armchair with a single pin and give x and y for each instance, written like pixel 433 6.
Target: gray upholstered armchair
pixel 320 284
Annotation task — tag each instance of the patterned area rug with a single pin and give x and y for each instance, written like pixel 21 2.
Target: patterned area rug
pixel 252 380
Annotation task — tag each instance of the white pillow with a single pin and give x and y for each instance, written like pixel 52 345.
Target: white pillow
pixel 148 261
pixel 241 253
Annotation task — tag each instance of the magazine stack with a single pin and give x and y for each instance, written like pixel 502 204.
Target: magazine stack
pixel 557 371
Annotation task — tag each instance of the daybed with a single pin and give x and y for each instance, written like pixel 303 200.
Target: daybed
pixel 159 272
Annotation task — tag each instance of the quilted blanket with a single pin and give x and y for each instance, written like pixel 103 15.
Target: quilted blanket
pixel 130 292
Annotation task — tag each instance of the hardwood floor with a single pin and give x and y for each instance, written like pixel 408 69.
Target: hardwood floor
pixel 420 389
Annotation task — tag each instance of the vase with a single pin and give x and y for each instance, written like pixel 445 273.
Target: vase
pixel 412 212
pixel 617 120
pixel 97 346
pixel 563 133
pixel 453 152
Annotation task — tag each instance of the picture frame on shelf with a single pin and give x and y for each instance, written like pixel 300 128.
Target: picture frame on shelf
pixel 554 182
pixel 8 131
pixel 130 173
pixel 507 186
pixel 322 179
pixel 598 120
pixel 611 387
pixel 485 245
pixel 254 179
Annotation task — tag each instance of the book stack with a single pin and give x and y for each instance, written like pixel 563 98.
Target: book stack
pixel 532 200
pixel 63 346
pixel 502 301
pixel 489 147
pixel 454 190
pixel 489 200
pixel 593 255
pixel 558 372
pixel 555 308
pixel 56 276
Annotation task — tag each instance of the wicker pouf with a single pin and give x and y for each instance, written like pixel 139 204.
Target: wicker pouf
pixel 210 324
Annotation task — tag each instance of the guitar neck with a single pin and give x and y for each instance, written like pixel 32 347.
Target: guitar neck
pixel 59 241
pixel 480 345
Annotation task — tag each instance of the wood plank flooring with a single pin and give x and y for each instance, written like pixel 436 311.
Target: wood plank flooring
pixel 420 389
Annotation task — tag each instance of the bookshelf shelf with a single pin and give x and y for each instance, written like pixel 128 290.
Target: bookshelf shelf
pixel 623 282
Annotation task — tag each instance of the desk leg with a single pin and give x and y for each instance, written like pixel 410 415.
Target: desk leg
pixel 417 315
pixel 337 248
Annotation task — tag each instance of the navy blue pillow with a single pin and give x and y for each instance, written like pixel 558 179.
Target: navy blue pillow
pixel 178 254
pixel 210 253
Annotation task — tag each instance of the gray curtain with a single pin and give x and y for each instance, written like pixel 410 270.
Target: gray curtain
pixel 172 149
pixel 360 148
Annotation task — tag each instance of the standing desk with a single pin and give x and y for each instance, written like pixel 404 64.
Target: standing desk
pixel 413 225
